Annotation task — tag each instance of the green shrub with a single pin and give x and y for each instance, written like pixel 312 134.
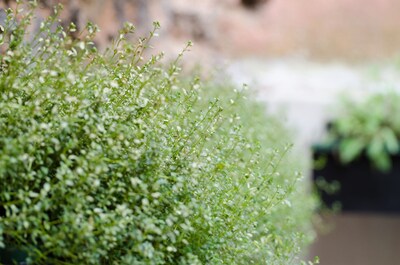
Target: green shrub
pixel 107 158
pixel 371 127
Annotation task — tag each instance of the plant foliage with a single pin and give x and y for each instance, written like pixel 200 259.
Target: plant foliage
pixel 371 127
pixel 110 158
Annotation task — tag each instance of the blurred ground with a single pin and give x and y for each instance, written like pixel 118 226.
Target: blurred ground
pixel 359 239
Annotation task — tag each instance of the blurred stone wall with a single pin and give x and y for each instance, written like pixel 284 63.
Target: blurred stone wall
pixel 355 29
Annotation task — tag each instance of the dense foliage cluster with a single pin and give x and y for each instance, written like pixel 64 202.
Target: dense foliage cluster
pixel 371 127
pixel 108 158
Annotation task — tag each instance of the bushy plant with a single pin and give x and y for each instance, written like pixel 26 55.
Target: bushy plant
pixel 371 127
pixel 108 158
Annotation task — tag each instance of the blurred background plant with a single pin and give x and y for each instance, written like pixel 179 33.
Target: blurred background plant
pixel 370 127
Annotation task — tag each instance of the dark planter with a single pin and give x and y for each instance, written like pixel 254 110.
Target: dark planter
pixel 361 187
pixel 13 256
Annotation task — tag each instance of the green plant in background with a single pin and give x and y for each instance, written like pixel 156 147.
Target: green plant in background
pixel 110 158
pixel 371 127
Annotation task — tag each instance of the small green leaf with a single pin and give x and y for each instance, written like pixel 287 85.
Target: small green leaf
pixel 320 162
pixel 376 147
pixel 382 162
pixel 350 148
pixel 390 140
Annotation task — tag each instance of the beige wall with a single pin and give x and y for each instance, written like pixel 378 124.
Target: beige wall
pixel 358 29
